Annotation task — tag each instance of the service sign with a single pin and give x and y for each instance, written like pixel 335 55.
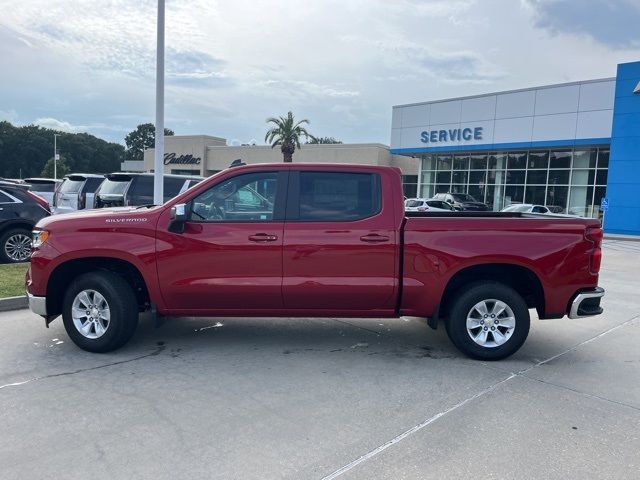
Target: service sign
pixel 451 135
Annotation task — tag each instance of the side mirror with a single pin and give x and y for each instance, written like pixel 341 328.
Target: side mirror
pixel 178 217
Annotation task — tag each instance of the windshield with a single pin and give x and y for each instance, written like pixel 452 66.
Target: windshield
pixel 113 187
pixel 463 197
pixel 71 186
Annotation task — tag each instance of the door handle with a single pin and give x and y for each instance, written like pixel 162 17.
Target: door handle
pixel 263 237
pixel 374 237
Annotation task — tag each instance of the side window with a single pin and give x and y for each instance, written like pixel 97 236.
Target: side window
pixel 172 187
pixel 92 184
pixel 4 198
pixel 250 197
pixel 140 191
pixel 337 196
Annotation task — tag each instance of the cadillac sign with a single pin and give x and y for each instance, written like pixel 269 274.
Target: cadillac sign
pixel 173 159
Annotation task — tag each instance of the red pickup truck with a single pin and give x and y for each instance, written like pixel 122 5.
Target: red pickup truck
pixel 317 240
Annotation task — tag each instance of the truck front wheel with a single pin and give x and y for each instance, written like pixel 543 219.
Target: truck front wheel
pixel 488 321
pixel 100 311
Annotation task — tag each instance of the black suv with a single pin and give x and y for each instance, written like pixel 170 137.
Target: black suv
pixel 20 210
pixel 134 189
pixel 462 201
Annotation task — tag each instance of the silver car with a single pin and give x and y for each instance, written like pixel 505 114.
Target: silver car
pixel 76 192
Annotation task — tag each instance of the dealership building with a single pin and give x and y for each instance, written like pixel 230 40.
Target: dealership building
pixel 574 147
pixel 206 155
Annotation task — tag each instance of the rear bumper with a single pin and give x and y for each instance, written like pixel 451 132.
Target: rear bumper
pixel 586 304
pixel 37 305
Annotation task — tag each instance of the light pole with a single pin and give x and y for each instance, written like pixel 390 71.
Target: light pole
pixel 55 155
pixel 158 194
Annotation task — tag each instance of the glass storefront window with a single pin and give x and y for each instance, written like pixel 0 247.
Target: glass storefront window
pixel 538 160
pixel 560 159
pixel 601 177
pixel 429 176
pixel 603 158
pixel 443 177
pixel 516 176
pixel 517 160
pixel 535 194
pixel 565 180
pixel 537 177
pixel 559 177
pixel 461 162
pixel 428 162
pixel 444 162
pixel 584 158
pixel 478 162
pixel 557 198
pixel 513 194
pixel 460 176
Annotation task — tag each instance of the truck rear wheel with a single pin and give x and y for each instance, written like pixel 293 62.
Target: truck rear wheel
pixel 100 311
pixel 488 321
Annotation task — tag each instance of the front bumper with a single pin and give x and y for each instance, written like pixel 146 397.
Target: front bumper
pixel 587 304
pixel 37 305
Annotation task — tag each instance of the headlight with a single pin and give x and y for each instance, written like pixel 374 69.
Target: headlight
pixel 38 238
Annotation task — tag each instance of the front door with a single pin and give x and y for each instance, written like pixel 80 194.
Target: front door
pixel 340 249
pixel 229 257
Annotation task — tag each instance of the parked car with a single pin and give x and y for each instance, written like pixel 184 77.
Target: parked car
pixel 426 205
pixel 44 187
pixel 20 210
pixel 333 241
pixel 462 201
pixel 526 208
pixel 133 189
pixel 76 192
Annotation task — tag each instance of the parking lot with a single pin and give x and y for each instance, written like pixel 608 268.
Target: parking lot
pixel 327 398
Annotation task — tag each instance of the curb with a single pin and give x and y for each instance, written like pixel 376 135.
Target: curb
pixel 13 303
pixel 616 236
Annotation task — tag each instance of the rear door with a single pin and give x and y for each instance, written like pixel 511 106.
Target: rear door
pixel 339 249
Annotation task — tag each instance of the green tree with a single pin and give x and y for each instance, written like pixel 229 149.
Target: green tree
pixel 62 168
pixel 322 140
pixel 24 151
pixel 286 132
pixel 144 136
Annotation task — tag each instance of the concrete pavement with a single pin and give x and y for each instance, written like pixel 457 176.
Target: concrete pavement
pixel 327 398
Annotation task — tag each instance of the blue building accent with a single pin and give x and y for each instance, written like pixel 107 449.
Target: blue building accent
pixel 504 146
pixel 623 181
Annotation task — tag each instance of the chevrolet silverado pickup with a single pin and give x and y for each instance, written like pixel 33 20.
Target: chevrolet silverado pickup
pixel 312 240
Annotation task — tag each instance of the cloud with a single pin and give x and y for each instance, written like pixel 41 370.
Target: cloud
pixel 611 22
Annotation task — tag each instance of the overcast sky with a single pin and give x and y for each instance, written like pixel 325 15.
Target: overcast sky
pixel 89 65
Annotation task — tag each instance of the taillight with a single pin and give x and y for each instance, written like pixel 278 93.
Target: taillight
pixel 595 235
pixel 41 201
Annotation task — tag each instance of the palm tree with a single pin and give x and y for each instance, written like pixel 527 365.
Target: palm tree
pixel 286 133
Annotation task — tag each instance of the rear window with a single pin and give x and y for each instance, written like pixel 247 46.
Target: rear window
pixel 114 186
pixel 414 203
pixel 42 185
pixel 337 196
pixel 71 186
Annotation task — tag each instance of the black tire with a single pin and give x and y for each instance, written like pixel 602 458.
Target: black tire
pixel 123 309
pixel 4 239
pixel 471 295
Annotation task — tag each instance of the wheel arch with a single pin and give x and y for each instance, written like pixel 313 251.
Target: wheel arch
pixel 522 279
pixel 65 273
